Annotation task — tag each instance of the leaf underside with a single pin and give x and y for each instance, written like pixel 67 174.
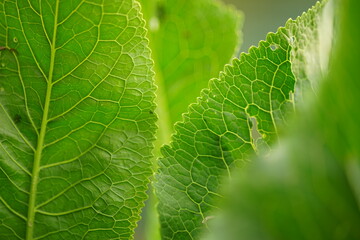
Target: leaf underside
pixel 77 122
pixel 238 115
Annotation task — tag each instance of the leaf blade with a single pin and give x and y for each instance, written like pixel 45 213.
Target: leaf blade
pixel 238 115
pixel 307 189
pixel 82 92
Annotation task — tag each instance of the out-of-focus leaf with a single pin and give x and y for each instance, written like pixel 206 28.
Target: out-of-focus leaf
pixel 191 42
pixel 237 116
pixel 309 187
pixel 76 119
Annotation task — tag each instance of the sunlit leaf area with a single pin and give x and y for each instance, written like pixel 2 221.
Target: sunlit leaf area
pixel 179 120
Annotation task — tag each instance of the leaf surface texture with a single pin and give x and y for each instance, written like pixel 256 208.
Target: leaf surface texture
pixel 77 122
pixel 238 116
pixel 309 187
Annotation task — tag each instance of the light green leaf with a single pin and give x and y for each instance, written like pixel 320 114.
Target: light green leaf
pixel 188 51
pixel 77 122
pixel 308 188
pixel 238 115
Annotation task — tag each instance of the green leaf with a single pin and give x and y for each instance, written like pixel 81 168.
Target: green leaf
pixel 238 115
pixel 188 51
pixel 185 43
pixel 309 187
pixel 77 122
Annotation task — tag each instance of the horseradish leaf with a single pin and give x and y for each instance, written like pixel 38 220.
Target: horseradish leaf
pixel 77 121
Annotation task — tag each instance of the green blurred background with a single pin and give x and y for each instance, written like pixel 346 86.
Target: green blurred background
pixel 263 16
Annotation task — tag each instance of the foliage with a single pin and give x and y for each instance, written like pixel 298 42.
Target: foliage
pixel 77 114
pixel 238 115
pixel 308 188
pixel 77 122
pixel 187 51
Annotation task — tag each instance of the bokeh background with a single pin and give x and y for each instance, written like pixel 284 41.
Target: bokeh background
pixel 263 16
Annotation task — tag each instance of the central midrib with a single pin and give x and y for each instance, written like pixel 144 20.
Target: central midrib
pixel 40 142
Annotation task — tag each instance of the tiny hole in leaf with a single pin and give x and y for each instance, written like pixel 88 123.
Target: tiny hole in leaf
pixel 254 129
pixel 273 47
pixel 15 40
pixel 292 40
pixel 206 219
